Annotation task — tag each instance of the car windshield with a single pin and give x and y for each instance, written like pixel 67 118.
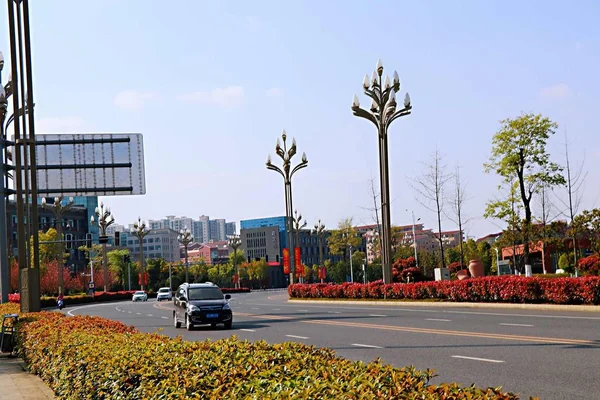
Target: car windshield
pixel 205 293
pixel 163 290
pixel 139 292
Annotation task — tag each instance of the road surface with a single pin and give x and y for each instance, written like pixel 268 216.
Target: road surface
pixel 553 355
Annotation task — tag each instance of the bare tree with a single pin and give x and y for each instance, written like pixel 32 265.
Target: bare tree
pixel 430 188
pixel 457 203
pixel 575 185
pixel 374 193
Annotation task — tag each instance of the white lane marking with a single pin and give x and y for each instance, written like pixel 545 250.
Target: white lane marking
pixel 302 310
pixel 296 337
pixel 129 312
pixel 150 315
pixel 524 315
pixel 88 306
pixel 255 308
pixel 369 346
pixel 276 309
pixel 138 313
pixel 527 325
pixel 248 330
pixel 438 319
pixel 479 359
pixel 165 317
pixel 377 315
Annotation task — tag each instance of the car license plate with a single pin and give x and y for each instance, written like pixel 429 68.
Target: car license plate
pixel 212 315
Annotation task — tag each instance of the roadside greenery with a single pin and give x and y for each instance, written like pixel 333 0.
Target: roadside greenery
pixel 91 357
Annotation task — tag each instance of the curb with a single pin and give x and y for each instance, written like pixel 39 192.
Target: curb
pixel 440 304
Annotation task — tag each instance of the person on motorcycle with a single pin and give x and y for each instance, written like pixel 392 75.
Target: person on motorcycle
pixel 60 301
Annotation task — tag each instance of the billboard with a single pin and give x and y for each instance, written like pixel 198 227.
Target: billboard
pixel 101 164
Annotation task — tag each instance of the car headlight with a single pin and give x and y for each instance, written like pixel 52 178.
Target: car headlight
pixel 227 307
pixel 193 308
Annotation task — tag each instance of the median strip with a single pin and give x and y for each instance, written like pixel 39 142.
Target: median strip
pixel 517 325
pixel 438 319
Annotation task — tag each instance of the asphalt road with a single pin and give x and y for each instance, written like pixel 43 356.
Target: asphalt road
pixel 553 355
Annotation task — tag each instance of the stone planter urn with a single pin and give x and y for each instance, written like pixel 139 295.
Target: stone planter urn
pixel 462 274
pixel 476 268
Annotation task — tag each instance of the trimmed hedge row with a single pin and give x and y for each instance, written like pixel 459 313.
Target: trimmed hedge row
pixel 507 289
pixel 91 357
pixel 46 301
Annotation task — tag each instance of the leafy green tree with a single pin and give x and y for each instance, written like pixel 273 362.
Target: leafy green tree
pixel 343 237
pixel 519 155
pixel 50 251
pixel 588 225
pixel 238 256
pixel 118 267
pixel 258 270
pixel 156 272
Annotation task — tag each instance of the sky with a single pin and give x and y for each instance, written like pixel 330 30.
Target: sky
pixel 211 85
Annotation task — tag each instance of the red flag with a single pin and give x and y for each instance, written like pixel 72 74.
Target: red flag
pixel 297 256
pixel 286 261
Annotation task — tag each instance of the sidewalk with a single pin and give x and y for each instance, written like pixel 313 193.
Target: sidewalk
pixel 16 383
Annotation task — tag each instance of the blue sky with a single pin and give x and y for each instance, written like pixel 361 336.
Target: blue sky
pixel 212 84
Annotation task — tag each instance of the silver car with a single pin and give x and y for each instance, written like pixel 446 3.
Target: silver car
pixel 164 293
pixel 140 295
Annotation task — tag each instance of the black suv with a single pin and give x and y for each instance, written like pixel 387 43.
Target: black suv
pixel 201 304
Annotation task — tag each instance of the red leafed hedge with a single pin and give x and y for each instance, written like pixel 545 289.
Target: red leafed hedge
pixel 505 289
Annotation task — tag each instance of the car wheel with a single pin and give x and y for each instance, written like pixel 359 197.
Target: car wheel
pixel 176 323
pixel 228 324
pixel 188 324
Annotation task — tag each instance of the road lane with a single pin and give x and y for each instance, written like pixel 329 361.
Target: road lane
pixel 550 359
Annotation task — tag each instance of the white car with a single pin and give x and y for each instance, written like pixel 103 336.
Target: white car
pixel 164 293
pixel 140 295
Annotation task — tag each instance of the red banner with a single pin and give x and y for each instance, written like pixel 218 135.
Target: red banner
pixel 299 270
pixel 235 279
pixel 286 261
pixel 143 281
pixel 322 272
pixel 297 256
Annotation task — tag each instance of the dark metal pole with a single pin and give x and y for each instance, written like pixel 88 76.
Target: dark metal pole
pixel 291 233
pixel 187 274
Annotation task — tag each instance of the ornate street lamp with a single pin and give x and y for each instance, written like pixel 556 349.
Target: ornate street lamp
pixel 319 229
pixel 287 172
pixel 185 238
pixel 103 220
pixel 59 210
pixel 235 242
pixel 140 232
pixel 382 113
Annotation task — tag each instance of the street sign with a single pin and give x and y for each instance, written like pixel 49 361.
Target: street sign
pixel 91 285
pixel 102 164
pixel 504 267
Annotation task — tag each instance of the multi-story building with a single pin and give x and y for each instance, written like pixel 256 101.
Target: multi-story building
pixel 75 225
pixel 171 222
pixel 159 243
pixel 230 228
pixel 209 253
pixel 110 231
pixel 217 230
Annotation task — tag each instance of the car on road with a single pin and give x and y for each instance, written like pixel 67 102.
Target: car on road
pixel 201 304
pixel 164 293
pixel 140 295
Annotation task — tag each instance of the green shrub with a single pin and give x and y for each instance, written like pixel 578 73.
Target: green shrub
pixel 91 357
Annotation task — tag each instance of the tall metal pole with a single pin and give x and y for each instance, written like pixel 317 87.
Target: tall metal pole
pixel 415 240
pixel 185 238
pixel 382 113
pixel 29 280
pixel 351 269
pixel 4 260
pixel 140 232
pixel 287 172
pixel 104 219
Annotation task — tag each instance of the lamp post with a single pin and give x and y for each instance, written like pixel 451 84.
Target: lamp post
pixel 298 224
pixel 414 236
pixel 350 251
pixel 140 231
pixel 319 229
pixel 59 210
pixel 103 220
pixel 4 266
pixel 235 242
pixel 185 238
pixel 287 172
pixel 382 113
